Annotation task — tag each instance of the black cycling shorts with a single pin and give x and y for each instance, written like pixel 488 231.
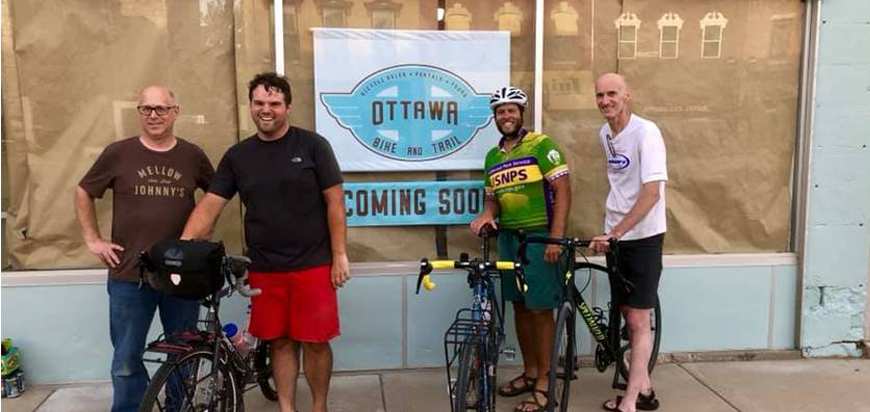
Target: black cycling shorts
pixel 640 261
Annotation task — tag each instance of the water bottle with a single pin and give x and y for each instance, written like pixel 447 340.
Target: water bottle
pixel 242 341
pixel 251 339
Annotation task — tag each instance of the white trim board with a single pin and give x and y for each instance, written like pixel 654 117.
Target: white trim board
pixel 404 268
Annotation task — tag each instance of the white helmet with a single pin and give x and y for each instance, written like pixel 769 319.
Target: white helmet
pixel 508 94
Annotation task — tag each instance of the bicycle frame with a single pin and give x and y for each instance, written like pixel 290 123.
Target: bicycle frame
pixel 606 337
pixel 480 325
pixel 212 335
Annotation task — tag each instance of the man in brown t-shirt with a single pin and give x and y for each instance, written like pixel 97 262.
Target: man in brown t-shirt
pixel 153 177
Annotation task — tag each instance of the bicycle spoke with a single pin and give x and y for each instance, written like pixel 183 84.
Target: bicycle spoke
pixel 194 384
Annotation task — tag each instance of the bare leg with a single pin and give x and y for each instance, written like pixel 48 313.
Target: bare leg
pixel 638 324
pixel 641 348
pixel 542 330
pixel 525 325
pixel 285 371
pixel 317 361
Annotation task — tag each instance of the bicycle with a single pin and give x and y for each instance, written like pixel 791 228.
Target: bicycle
pixel 610 335
pixel 472 343
pixel 202 370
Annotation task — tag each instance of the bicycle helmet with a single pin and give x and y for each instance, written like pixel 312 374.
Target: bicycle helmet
pixel 508 94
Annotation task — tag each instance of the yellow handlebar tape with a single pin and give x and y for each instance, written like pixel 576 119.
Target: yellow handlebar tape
pixel 502 265
pixel 428 283
pixel 443 264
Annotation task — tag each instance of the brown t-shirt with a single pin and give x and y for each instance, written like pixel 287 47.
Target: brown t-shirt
pixel 152 194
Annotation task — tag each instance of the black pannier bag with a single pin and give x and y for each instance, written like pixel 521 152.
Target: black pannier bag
pixel 187 269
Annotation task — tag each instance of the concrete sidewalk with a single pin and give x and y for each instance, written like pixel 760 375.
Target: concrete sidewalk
pixel 806 385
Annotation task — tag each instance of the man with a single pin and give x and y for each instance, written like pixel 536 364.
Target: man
pixel 291 186
pixel 634 215
pixel 527 188
pixel 153 177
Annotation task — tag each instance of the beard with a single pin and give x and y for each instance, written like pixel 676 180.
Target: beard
pixel 510 131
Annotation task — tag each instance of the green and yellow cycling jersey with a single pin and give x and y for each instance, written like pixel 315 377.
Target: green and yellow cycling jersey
pixel 520 180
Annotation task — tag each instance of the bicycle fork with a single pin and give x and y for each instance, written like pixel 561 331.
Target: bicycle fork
pixel 211 390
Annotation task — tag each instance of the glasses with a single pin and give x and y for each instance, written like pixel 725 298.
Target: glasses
pixel 160 110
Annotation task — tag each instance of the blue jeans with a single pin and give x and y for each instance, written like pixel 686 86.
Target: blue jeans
pixel 131 310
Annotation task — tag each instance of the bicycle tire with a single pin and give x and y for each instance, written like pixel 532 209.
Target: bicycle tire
pixel 624 351
pixel 193 370
pixel 563 362
pixel 263 366
pixel 466 392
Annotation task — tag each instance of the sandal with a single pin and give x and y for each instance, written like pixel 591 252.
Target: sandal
pixel 538 407
pixel 647 402
pixel 511 389
pixel 644 403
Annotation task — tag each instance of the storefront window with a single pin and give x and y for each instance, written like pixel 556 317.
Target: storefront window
pixel 727 113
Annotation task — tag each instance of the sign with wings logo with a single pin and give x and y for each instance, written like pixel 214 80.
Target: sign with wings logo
pixel 412 100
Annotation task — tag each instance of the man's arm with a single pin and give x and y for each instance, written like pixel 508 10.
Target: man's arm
pixel 490 212
pixel 87 216
pixel 336 216
pixel 649 196
pixel 201 221
pixel 562 204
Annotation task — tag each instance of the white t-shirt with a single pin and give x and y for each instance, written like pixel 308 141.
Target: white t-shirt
pixel 635 156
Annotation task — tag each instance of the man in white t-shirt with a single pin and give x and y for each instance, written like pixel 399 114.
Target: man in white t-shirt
pixel 634 215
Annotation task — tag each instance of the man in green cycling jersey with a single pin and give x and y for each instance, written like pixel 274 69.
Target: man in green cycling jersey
pixel 527 188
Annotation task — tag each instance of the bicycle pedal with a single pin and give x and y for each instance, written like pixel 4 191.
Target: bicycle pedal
pixel 510 353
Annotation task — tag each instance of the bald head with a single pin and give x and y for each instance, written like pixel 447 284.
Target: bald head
pixel 611 81
pixel 613 97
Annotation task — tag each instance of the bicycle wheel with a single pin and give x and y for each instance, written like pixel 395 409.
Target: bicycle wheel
pixel 624 352
pixel 188 384
pixel 467 392
pixel 563 362
pixel 263 366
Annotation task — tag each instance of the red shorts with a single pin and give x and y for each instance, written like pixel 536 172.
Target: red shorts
pixel 301 305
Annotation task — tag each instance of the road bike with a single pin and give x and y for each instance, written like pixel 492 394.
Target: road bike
pixel 608 330
pixel 472 343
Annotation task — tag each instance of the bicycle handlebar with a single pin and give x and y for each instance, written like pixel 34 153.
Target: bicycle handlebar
pixel 474 265
pixel 572 243
pixel 487 231
pixel 237 267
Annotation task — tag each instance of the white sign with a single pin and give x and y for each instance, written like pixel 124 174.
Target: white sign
pixel 392 100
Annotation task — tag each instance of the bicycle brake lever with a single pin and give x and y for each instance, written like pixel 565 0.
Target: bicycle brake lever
pixel 241 284
pixel 611 243
pixel 521 252
pixel 425 269
pixel 521 280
